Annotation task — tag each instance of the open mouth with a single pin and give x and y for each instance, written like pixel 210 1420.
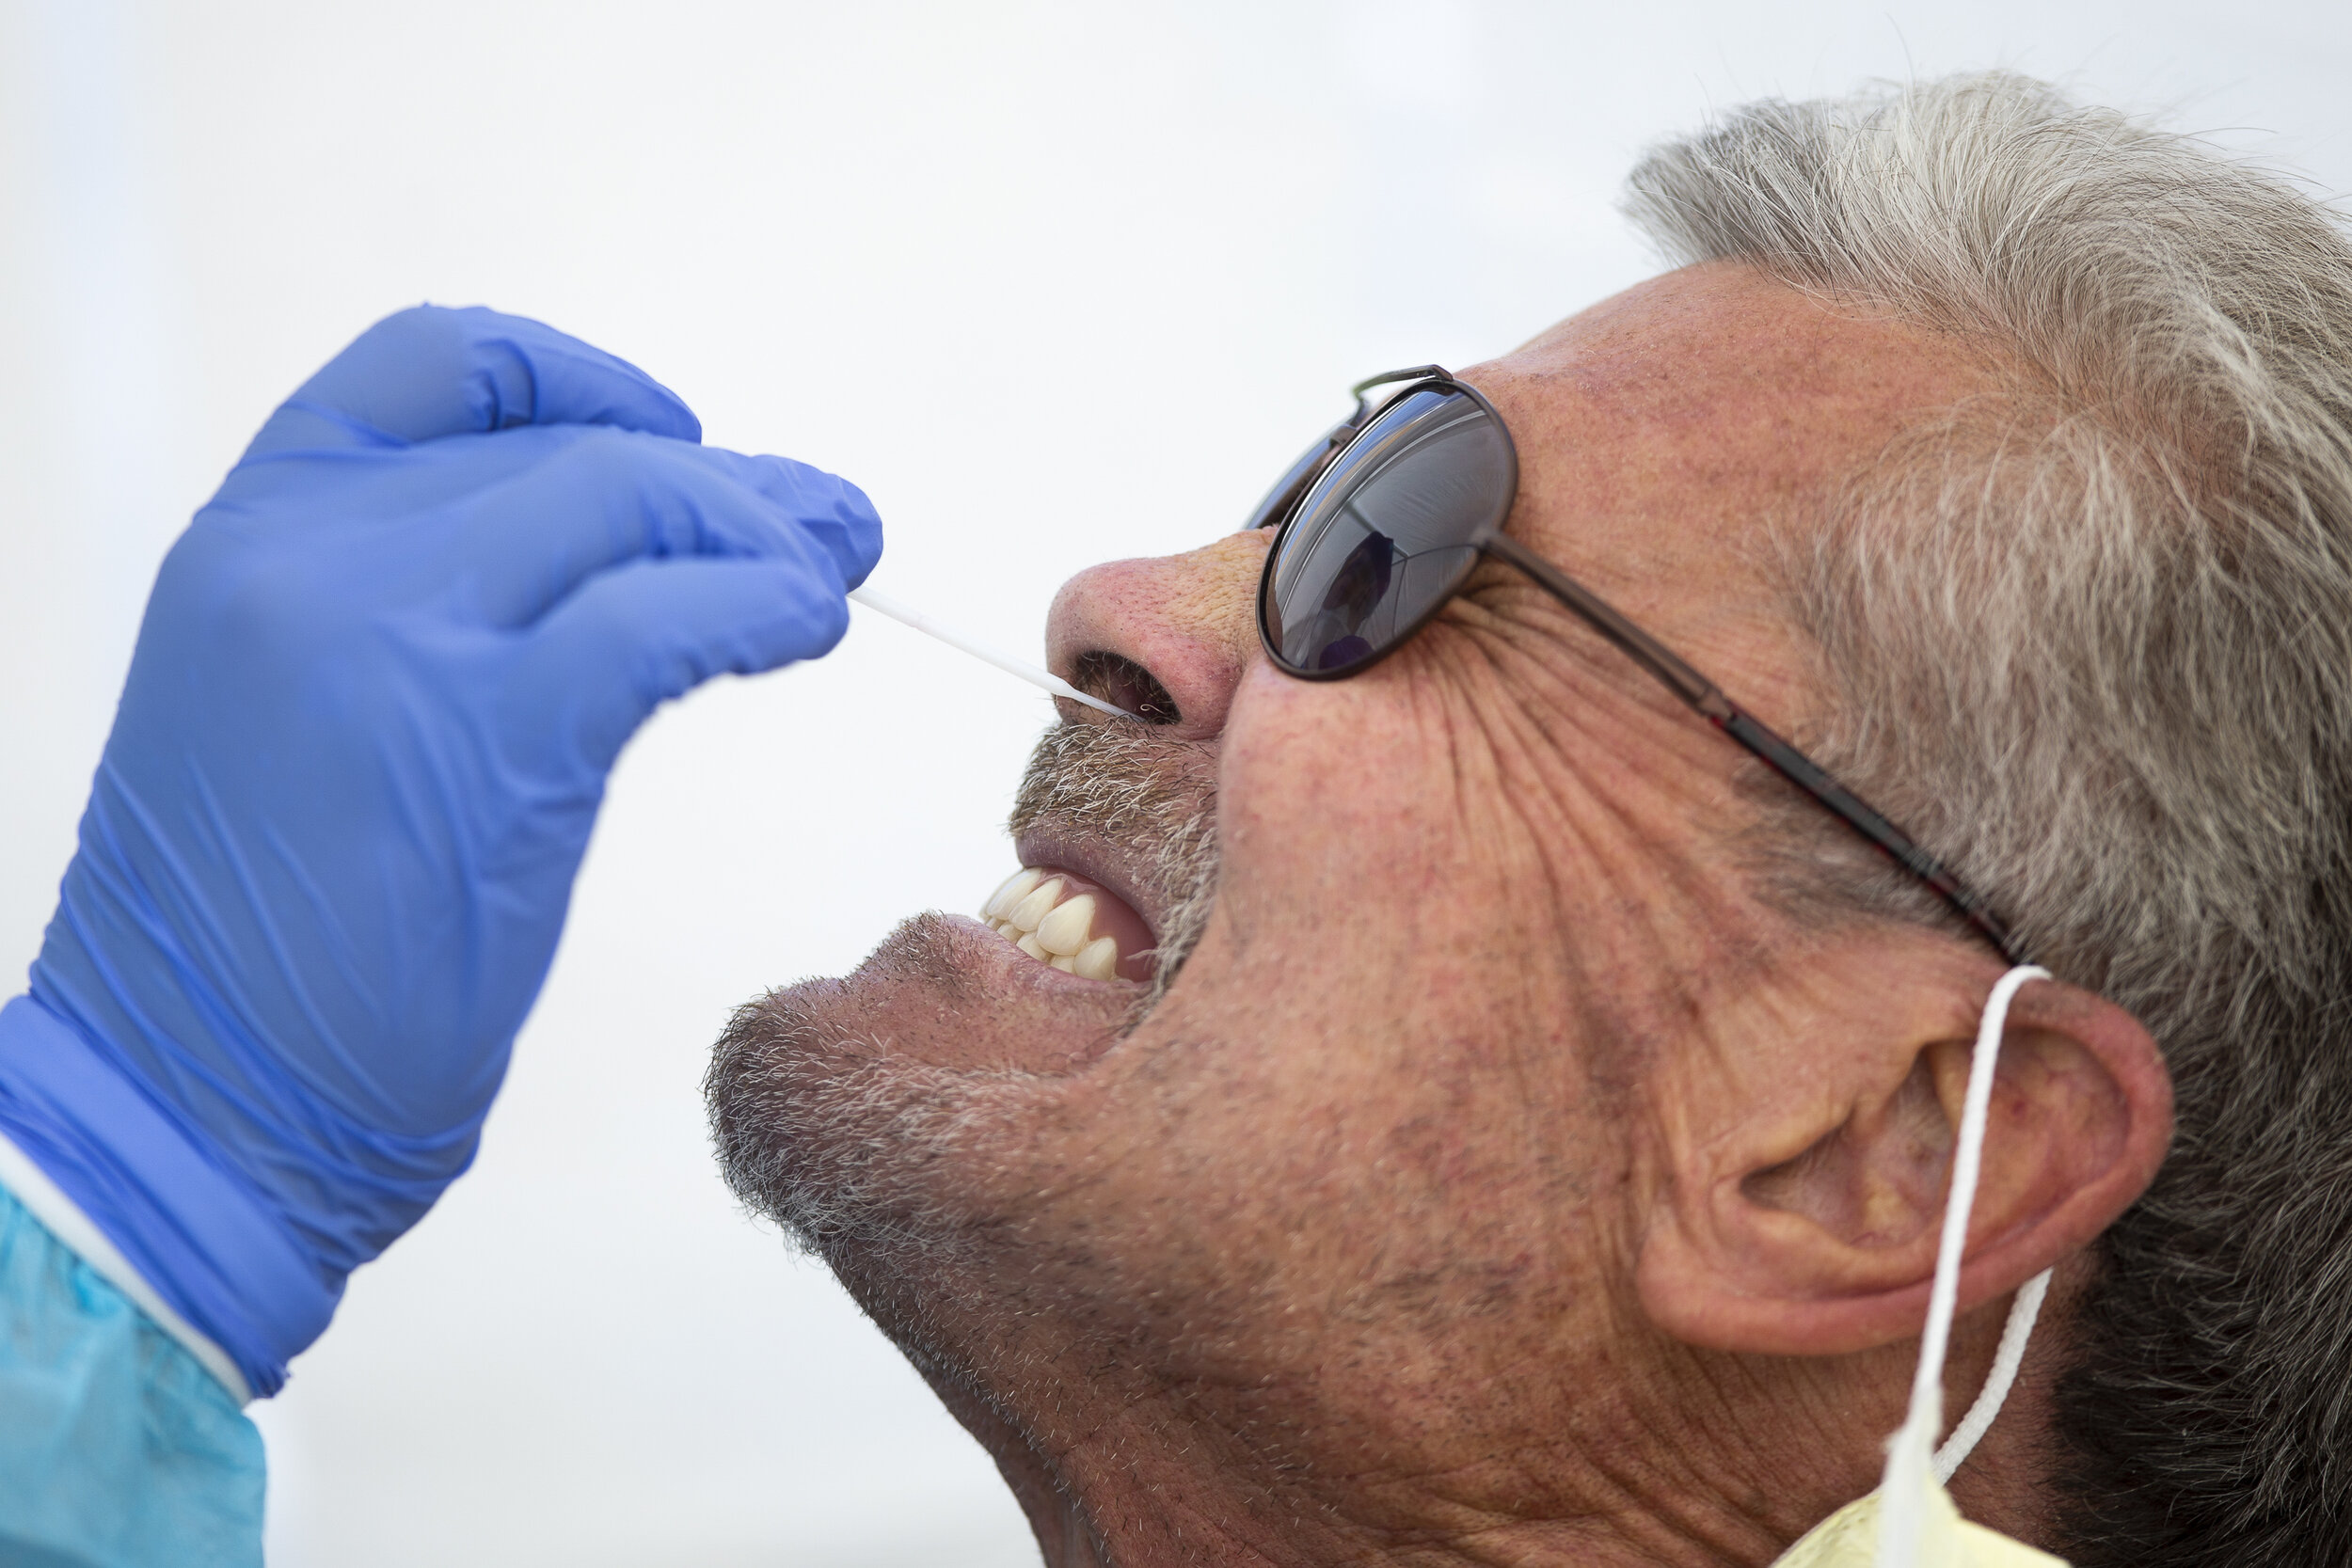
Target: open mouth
pixel 1073 924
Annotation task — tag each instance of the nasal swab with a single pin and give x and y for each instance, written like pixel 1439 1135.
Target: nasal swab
pixel 1031 673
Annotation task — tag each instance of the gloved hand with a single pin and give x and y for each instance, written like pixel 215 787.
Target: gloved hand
pixel 330 846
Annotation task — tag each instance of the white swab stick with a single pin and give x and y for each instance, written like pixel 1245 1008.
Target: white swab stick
pixel 908 615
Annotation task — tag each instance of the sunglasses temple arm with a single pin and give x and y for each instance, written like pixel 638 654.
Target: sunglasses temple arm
pixel 1644 650
pixel 1857 813
pixel 1708 698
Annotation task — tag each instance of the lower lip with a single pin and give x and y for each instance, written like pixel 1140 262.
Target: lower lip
pixel 964 999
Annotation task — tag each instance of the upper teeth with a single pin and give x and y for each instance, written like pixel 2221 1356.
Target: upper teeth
pixel 1029 910
pixel 1067 927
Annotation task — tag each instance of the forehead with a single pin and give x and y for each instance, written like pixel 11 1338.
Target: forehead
pixel 1663 429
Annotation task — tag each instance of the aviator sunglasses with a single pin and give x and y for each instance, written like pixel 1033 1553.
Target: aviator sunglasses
pixel 1381 523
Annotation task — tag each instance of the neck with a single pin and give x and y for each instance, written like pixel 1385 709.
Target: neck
pixel 1139 1486
pixel 1471 1447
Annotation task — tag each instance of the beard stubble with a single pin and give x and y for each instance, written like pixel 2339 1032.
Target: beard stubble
pixel 855 1148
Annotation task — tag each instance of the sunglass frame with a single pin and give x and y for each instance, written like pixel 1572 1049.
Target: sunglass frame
pixel 1281 509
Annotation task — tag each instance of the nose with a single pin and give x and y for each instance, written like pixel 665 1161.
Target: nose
pixel 1167 637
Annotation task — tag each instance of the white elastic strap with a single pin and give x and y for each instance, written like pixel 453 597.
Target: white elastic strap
pixel 2022 1312
pixel 1908 1451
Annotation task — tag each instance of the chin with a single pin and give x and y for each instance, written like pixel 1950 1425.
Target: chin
pixel 917 1122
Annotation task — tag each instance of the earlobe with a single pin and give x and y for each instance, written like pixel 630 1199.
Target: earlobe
pixel 1805 1221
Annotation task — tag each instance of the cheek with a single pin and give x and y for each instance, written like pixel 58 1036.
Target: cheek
pixel 1380 884
pixel 1338 804
pixel 1366 880
pixel 1380 1098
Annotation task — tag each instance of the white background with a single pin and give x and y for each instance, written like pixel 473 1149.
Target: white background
pixel 1055 284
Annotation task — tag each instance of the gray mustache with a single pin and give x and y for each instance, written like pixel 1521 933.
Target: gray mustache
pixel 1154 797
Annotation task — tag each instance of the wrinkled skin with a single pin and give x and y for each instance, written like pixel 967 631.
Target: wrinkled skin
pixel 1501 1179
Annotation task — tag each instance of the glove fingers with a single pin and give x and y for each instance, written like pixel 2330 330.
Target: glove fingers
pixel 829 508
pixel 431 371
pixel 651 630
pixel 607 497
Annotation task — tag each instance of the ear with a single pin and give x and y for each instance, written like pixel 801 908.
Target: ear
pixel 1805 1166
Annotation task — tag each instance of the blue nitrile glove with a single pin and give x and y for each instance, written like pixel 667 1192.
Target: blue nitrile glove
pixel 366 730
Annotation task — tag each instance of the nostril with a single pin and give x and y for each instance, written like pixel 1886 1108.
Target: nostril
pixel 1117 679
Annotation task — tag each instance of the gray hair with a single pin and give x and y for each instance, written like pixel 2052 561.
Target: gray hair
pixel 2091 642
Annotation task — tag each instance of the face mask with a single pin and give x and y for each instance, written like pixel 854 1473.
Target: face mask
pixel 1910 1522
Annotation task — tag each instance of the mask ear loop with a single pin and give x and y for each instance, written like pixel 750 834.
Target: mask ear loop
pixel 1908 1457
pixel 2023 1309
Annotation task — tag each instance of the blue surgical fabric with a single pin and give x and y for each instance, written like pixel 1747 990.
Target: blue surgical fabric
pixel 117 1450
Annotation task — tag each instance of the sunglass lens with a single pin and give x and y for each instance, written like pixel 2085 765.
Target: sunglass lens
pixel 1387 533
pixel 1293 482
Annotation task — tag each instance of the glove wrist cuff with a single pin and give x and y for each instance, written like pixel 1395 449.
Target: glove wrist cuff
pixel 34 1192
pixel 185 1222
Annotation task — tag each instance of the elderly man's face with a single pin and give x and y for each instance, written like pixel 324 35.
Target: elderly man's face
pixel 1361 1207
